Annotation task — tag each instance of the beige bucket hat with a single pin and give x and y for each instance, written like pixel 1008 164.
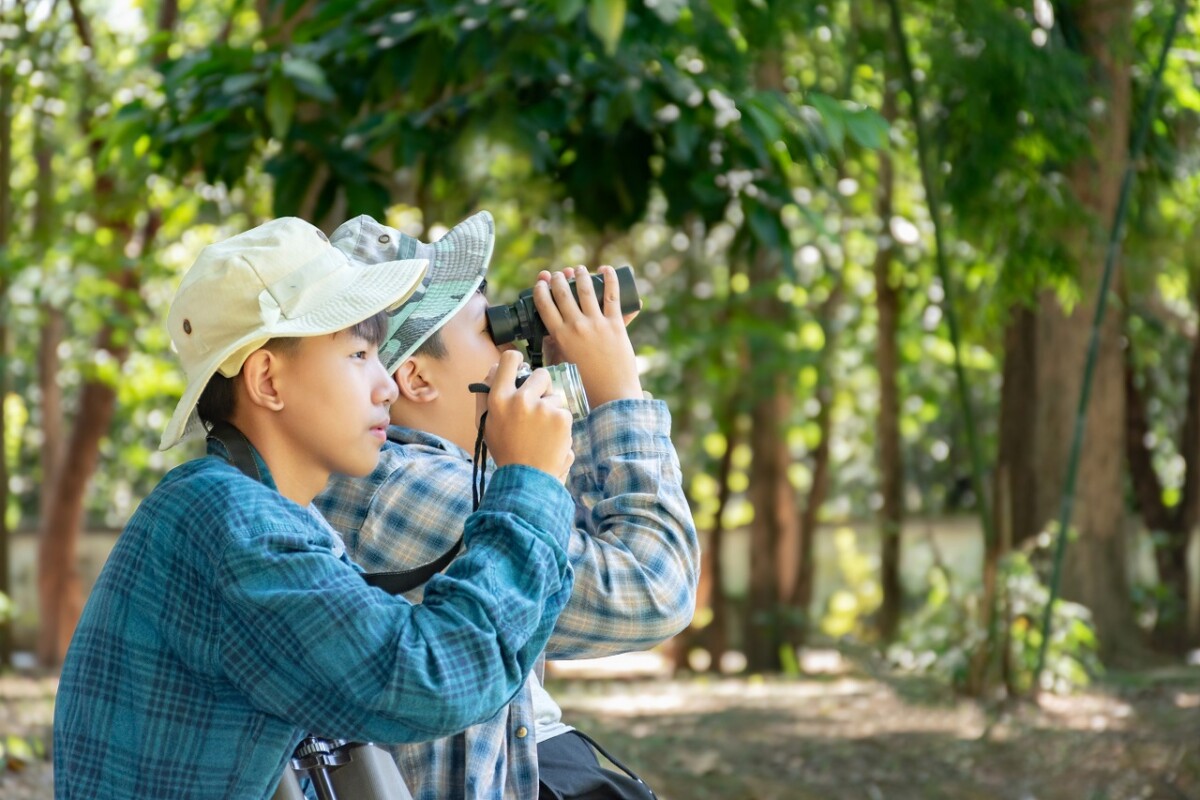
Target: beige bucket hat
pixel 281 279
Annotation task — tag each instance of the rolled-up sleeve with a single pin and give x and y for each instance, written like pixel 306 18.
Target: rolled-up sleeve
pixel 307 639
pixel 635 552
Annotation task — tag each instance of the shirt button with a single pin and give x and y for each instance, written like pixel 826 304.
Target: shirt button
pixel 522 732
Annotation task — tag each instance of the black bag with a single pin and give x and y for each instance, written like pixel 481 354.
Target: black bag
pixel 568 769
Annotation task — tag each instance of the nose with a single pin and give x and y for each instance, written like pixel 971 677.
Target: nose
pixel 385 390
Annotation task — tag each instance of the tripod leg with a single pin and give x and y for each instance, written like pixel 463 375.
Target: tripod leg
pixel 289 786
pixel 371 774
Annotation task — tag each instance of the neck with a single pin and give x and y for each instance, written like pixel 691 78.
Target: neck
pixel 430 421
pixel 295 478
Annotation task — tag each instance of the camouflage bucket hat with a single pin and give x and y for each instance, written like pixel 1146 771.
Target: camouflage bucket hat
pixel 457 263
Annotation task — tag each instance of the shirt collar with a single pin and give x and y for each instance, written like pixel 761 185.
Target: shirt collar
pixel 218 449
pixel 398 434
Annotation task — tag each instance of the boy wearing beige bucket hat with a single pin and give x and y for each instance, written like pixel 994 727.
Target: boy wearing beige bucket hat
pixel 228 620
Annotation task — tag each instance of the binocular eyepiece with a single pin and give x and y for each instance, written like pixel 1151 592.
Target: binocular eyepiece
pixel 520 320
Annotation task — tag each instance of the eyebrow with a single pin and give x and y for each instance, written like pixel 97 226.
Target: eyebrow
pixel 482 287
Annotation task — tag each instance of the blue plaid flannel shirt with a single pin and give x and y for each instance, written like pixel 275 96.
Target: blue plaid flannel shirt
pixel 633 549
pixel 228 620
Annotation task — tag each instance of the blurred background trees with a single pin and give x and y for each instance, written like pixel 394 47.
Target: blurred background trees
pixel 757 161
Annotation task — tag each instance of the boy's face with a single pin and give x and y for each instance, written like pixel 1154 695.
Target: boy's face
pixel 470 353
pixel 335 395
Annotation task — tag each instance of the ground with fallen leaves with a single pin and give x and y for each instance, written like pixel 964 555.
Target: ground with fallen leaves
pixel 1136 735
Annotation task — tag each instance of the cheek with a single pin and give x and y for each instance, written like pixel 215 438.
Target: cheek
pixel 485 355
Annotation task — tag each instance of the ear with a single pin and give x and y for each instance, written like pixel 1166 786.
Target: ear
pixel 259 382
pixel 412 379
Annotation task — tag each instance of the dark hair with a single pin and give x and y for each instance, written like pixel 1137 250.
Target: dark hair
pixel 217 401
pixel 433 347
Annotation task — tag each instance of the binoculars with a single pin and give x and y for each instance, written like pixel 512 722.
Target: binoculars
pixel 520 320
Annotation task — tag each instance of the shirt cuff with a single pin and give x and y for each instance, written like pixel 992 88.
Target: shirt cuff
pixel 630 426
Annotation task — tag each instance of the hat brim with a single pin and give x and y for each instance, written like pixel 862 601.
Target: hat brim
pixel 376 288
pixel 458 263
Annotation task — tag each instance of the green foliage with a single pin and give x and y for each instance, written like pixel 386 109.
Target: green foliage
pixel 604 127
pixel 1072 658
pixel 942 637
pixel 15 418
pixel 686 138
pixel 78 233
pixel 848 608
pixel 606 18
pixel 17 752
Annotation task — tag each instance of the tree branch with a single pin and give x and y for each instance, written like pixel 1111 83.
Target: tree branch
pixel 82 26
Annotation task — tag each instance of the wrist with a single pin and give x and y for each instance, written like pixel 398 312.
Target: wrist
pixel 629 390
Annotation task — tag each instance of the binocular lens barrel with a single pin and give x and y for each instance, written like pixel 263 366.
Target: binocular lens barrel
pixel 503 323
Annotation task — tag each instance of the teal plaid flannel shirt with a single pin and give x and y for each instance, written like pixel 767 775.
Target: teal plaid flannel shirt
pixel 228 621
pixel 632 547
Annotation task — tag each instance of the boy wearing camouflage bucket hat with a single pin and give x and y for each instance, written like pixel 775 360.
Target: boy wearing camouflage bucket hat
pixel 228 620
pixel 632 545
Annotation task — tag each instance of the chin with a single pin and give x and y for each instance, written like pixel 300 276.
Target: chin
pixel 360 467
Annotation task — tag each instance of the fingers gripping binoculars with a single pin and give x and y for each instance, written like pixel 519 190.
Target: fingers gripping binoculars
pixel 520 320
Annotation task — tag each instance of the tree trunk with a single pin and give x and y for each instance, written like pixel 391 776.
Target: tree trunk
pixel 774 523
pixel 801 598
pixel 774 533
pixel 1094 572
pixel 52 333
pixel 718 629
pixel 887 362
pixel 60 593
pixel 1016 477
pixel 6 102
pixel 710 593
pixel 54 325
pixel 1014 486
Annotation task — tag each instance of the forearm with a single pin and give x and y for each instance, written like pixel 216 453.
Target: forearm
pixel 635 553
pixel 369 666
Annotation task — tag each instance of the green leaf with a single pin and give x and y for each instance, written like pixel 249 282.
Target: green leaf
pixel 606 18
pixel 867 128
pixel 236 84
pixel 302 70
pixel 281 105
pixel 765 226
pixel 366 197
pixel 568 10
pixel 834 117
pixel 724 11
pixel 763 116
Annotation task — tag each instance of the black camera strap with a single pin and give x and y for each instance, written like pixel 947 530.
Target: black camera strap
pixel 241 455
